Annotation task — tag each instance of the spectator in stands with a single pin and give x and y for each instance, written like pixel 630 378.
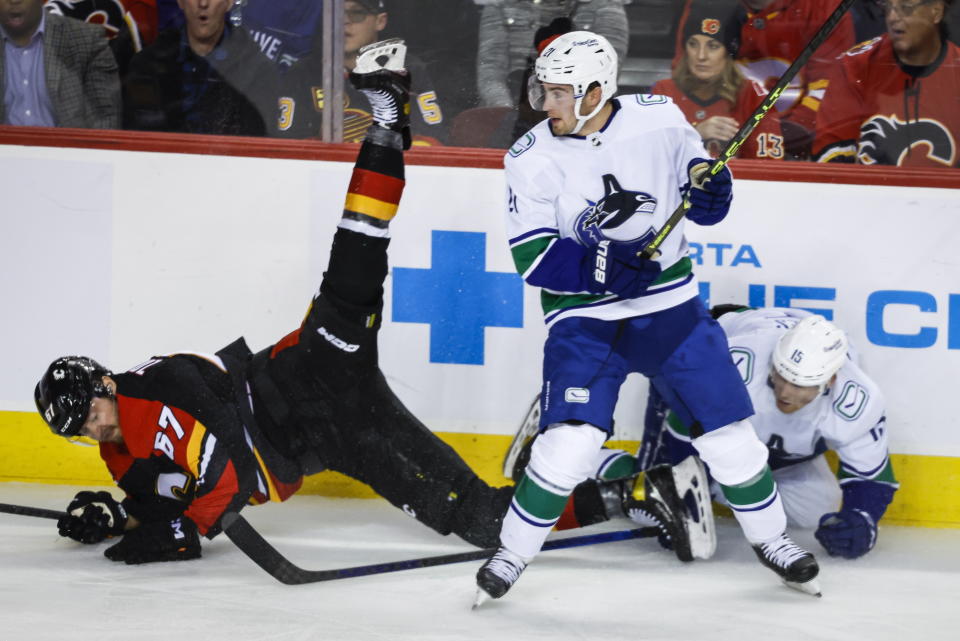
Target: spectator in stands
pixel 712 93
pixel 210 77
pixel 446 43
pixel 772 35
pixel 507 30
pixel 55 71
pixel 363 24
pixel 286 30
pixel 893 100
pixel 129 25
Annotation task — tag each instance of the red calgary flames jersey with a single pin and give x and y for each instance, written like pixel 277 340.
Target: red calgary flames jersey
pixel 772 38
pixel 878 112
pixel 766 141
pixel 216 460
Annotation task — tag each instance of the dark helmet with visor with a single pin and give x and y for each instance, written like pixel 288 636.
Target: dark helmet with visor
pixel 65 392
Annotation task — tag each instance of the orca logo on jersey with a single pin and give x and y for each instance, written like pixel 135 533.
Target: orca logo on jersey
pixel 612 212
pixel 889 141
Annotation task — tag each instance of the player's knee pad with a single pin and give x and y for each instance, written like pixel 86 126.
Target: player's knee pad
pixel 565 455
pixel 734 453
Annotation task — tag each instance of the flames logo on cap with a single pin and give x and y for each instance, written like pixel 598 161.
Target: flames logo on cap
pixel 710 26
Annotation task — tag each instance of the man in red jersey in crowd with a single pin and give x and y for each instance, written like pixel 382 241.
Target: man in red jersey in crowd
pixel 893 100
pixel 712 93
pixel 772 35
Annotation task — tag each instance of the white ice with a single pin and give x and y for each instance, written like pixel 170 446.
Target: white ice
pixel 906 589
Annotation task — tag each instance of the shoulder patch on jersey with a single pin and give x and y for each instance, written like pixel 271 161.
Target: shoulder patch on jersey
pixel 862 47
pixel 851 401
pixel 647 99
pixel 523 144
pixel 744 359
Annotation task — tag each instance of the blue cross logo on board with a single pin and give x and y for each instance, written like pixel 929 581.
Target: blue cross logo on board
pixel 457 297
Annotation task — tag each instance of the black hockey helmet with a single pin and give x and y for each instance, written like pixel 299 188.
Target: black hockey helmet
pixel 64 394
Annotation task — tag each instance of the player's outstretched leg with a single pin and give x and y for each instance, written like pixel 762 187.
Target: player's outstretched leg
pixel 358 258
pixel 381 77
pixel 561 458
pixel 738 462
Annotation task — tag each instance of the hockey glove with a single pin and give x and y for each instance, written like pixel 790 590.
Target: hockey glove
pixel 615 267
pixel 847 533
pixel 176 540
pixel 710 196
pixel 92 516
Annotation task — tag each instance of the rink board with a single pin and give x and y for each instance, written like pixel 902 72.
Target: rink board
pixel 129 254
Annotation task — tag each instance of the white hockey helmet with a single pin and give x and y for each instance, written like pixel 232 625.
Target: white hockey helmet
pixel 810 352
pixel 579 59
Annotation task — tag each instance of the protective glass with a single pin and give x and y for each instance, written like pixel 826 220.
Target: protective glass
pixel 902 8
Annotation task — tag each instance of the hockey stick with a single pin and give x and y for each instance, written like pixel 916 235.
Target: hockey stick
pixel 24 510
pixel 245 537
pixel 747 128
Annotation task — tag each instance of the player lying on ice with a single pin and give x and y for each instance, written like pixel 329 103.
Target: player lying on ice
pixel 587 189
pixel 189 436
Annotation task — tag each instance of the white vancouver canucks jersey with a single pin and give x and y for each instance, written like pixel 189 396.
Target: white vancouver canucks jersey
pixel 848 418
pixel 619 184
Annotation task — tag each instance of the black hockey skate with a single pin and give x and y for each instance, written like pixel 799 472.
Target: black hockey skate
pixel 497 575
pixel 677 500
pixel 381 77
pixel 793 564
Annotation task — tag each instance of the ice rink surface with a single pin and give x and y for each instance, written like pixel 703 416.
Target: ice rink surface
pixel 907 589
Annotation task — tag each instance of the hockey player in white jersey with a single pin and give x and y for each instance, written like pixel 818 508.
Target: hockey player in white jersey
pixel 810 396
pixel 587 189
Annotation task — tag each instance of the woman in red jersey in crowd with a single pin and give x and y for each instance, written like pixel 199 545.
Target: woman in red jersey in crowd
pixel 712 93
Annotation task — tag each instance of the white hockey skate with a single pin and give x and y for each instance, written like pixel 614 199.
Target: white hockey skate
pixel 796 567
pixel 677 499
pixel 528 430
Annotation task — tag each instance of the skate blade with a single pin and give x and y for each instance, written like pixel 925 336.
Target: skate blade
pixel 690 479
pixel 811 587
pixel 528 429
pixel 481 598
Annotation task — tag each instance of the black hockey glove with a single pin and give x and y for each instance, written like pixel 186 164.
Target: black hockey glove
pixel 847 533
pixel 92 516
pixel 615 267
pixel 710 196
pixel 176 540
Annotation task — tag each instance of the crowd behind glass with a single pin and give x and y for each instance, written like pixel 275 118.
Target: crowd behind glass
pixel 884 88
